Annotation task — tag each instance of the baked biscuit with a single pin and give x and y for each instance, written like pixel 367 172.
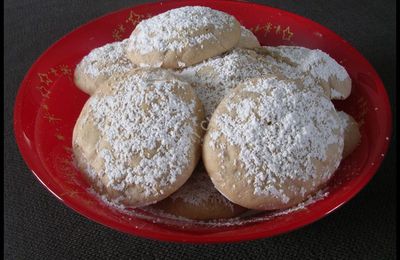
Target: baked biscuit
pixel 100 64
pixel 138 137
pixel 247 39
pixel 182 37
pixel 352 135
pixel 198 199
pixel 271 143
pixel 214 78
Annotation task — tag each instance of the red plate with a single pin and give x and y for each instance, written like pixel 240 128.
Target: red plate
pixel 48 105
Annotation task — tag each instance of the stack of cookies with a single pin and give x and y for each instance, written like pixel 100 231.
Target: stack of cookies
pixel 192 116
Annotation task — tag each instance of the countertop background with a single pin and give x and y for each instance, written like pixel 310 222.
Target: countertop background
pixel 38 226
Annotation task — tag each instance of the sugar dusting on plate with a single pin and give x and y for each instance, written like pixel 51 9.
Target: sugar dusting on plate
pixel 161 217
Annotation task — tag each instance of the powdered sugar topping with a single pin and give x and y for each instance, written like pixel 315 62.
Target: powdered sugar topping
pixel 215 77
pixel 316 62
pixel 149 129
pixel 107 60
pixel 179 28
pixel 244 32
pixel 160 216
pixel 247 39
pixel 279 129
pixel 344 119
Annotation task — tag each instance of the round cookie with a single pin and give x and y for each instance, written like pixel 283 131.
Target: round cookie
pixel 182 37
pixel 198 199
pixel 271 143
pixel 100 64
pixel 247 39
pixel 138 138
pixel 318 64
pixel 351 131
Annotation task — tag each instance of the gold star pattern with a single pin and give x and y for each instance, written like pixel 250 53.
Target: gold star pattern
pixel 277 29
pixel 44 78
pixel 116 34
pixel 43 91
pixel 267 27
pixel 287 34
pixel 65 70
pixel 121 28
pixel 134 18
pixel 54 71
pixel 44 106
pixel 255 29
pixel 51 118
pixel 67 149
pixel 60 137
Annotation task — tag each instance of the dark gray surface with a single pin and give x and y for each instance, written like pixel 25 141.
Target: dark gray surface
pixel 37 226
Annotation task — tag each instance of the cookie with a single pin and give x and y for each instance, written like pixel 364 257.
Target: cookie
pixel 272 142
pixel 214 78
pixel 198 199
pixel 352 135
pixel 96 67
pixel 323 68
pixel 182 37
pixel 247 39
pixel 138 137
